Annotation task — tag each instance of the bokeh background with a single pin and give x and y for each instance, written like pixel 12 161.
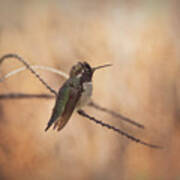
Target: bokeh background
pixel 141 39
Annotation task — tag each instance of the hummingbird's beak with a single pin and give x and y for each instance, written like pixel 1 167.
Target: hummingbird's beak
pixel 99 67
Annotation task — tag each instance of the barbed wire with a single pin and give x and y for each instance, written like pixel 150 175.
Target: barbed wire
pixel 7 56
pixel 80 112
pixel 84 114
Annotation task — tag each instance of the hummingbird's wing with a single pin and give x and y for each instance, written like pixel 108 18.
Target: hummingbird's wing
pixel 74 96
pixel 66 101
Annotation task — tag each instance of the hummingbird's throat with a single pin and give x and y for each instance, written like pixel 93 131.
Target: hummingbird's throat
pixel 86 95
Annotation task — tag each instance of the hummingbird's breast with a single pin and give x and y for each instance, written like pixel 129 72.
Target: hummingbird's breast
pixel 86 95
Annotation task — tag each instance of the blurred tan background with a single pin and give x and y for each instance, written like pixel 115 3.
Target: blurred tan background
pixel 141 39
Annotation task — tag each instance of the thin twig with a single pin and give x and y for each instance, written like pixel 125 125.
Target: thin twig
pixel 46 68
pixel 115 114
pixel 7 56
pixel 82 113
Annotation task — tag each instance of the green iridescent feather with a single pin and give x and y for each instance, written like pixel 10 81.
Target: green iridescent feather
pixel 66 101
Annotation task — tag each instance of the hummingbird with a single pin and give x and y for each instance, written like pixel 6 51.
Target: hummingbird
pixel 74 94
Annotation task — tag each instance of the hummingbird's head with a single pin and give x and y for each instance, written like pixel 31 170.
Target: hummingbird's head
pixel 76 70
pixel 84 70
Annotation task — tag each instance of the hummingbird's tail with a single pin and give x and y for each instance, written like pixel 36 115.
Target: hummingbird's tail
pixel 58 123
pixel 48 126
pixel 51 121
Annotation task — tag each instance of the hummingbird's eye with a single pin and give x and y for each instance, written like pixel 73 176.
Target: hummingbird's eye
pixel 86 65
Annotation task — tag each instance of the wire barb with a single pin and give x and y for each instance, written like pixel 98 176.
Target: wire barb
pixel 82 113
pixel 118 115
pixel 29 67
